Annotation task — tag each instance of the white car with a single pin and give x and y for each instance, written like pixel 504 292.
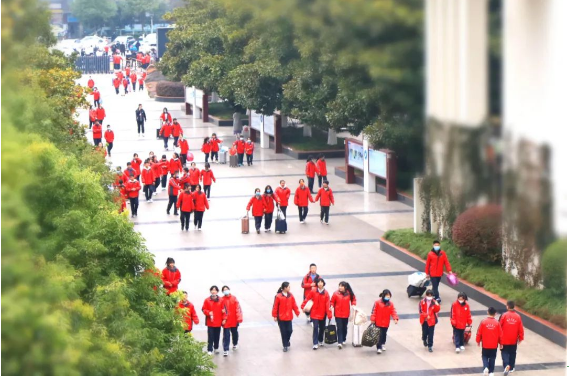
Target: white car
pixel 68 46
pixel 90 42
pixel 123 39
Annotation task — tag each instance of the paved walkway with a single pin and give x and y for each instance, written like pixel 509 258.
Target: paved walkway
pixel 255 265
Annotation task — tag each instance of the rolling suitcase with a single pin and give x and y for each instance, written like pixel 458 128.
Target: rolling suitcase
pixel 415 291
pixel 356 336
pixel 158 134
pixel 222 157
pixel 233 161
pixel 245 225
pixel 280 226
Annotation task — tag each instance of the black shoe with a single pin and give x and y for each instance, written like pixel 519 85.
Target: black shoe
pixel 285 349
pixel 168 212
pixel 430 349
pixel 258 231
pixel 425 343
pixel 176 213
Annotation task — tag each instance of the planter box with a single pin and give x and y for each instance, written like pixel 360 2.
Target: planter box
pixel 170 99
pixel 538 325
pixel 302 154
pixel 224 122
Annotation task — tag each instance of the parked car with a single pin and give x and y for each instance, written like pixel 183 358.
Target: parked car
pixel 148 43
pixel 90 42
pixel 68 46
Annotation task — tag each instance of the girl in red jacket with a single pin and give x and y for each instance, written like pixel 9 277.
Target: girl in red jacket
pixel 188 313
pixel 156 167
pixel 206 176
pixel 186 205
pixel 321 170
pixel 97 133
pixel 164 168
pixel 270 200
pixel 341 303
pixel 173 190
pixel 201 205
pixel 147 180
pixel 206 148
pixel 234 317
pixel 326 199
pixel 109 139
pixel 310 172
pixel 135 163
pixel 194 176
pixel 383 310
pixel 214 315
pixel 460 318
pixel 214 142
pixel 301 198
pixel 92 116
pixel 171 276
pixel 133 190
pixel 249 148
pixel 320 310
pixel 165 132
pixel 165 117
pixel 176 131
pixel 428 310
pixel 175 164
pixel 184 149
pixel 258 204
pixel 283 194
pixel 283 306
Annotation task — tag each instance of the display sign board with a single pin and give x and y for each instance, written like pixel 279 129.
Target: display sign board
pixel 269 125
pixel 355 155
pixel 256 121
pixel 377 163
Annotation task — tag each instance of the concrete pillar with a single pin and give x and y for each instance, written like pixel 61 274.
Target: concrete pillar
pixel 369 179
pixel 205 107
pixel 264 136
pixel 418 206
pixel 196 113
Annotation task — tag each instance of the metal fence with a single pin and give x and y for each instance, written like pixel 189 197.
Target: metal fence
pixel 93 64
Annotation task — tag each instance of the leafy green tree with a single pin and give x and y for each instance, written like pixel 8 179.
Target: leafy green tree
pixel 94 14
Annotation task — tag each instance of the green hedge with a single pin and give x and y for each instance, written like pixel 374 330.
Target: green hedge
pixel 554 267
pixel 293 137
pixel 543 303
pixel 223 111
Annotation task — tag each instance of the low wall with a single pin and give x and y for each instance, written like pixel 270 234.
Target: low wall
pixel 225 122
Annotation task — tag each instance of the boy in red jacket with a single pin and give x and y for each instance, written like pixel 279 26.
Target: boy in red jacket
pixel 90 83
pixel 147 180
pixel 214 315
pixel 258 204
pixel 92 116
pixel 173 189
pixel 206 148
pixel 189 313
pixel 176 131
pixel 186 205
pixel 234 317
pixel 428 310
pixel 436 260
pixel 489 336
pixel 240 144
pixel 321 170
pixel 96 97
pixel 283 194
pixel 97 133
pixel 206 177
pixel 214 142
pixel 101 114
pixel 117 84
pixel 249 148
pixel 133 81
pixel 133 189
pixel 194 176
pixel 309 283
pixel 460 318
pixel 301 198
pixel 165 132
pixel 326 199
pixel 184 149
pixel 381 314
pixel 283 307
pixel 512 334
pixel 200 202
pixel 109 138
pixel 310 172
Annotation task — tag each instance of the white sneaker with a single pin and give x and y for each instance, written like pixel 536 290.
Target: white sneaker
pixel 383 348
pixel 327 223
pixel 340 346
pixel 155 193
pixel 315 347
pixel 491 374
pixel 506 370
pixel 461 348
pixel 457 350
pixel 485 372
pixel 321 344
pixel 301 221
pixel 379 351
pixel 321 221
pixel 150 200
pixel 235 347
pixel 217 351
pixel 225 353
pixel 209 353
pixel 513 370
pixel 199 229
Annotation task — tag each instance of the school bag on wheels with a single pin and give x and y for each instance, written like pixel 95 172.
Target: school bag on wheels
pixel 330 334
pixel 245 225
pixel 467 334
pixel 280 223
pixel 371 335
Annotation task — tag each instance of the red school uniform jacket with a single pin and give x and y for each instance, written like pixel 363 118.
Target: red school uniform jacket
pixel 215 144
pixel 186 202
pixel 156 168
pixel 326 197
pixel 460 316
pixel 91 83
pixel 249 148
pixel 302 196
pixel 200 201
pixel 141 81
pixel 258 205
pixel 206 148
pixel 175 165
pixel 133 77
pixel 310 169
pixel 147 176
pixel 101 114
pixel 165 166
pixel 135 163
pixel 320 304
pixel 194 176
pixel 171 279
pixel 127 71
pixel 93 114
pixel 240 146
pixel 512 328
pixel 177 130
pixel 96 95
pixel 109 136
pixel 321 168
pixel 117 59
pixel 306 283
pixel 341 303
pixel 270 202
pixel 489 333
pixel 132 188
pixel 428 311
pixel 283 306
pixel 382 313
pixel 166 130
pixel 124 82
pixel 184 147
pixel 97 131
pixel 173 187
pixel 206 176
pixel 166 117
pixel 283 195
pixel 233 312
pixel 215 307
pixel 189 314
pixel 116 82
pixel 435 263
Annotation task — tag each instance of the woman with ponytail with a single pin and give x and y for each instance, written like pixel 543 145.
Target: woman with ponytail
pixel 341 303
pixel 383 310
pixel 283 307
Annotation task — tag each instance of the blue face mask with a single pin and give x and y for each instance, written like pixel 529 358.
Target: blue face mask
pixel 437 248
pixel 257 194
pixel 268 191
pixel 386 298
pixel 226 292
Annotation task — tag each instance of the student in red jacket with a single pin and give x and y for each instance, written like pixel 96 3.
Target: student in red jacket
pixel 301 198
pixel 147 181
pixel 189 313
pixel 177 131
pixel 117 58
pixel 234 316
pixel 175 164
pixel 258 204
pixel 383 310
pixel 206 148
pixel 249 148
pixel 489 336
pixel 171 276
pixel 195 174
pixel 96 97
pixel 326 199
pixel 109 138
pixel 156 167
pixel 460 318
pixel 186 205
pixel 321 170
pixel 436 260
pixel 308 283
pixel 122 195
pixel 320 310
pixel 240 144
pixel 184 149
pixel 97 133
pixel 140 84
pixel 185 178
pixel 165 168
pixel 200 201
pixel 133 81
pixel 283 194
pixel 270 200
pixel 135 163
pixel 206 177
pixel 101 114
pixel 92 116
pixel 125 85
pixel 133 189
pixel 512 335
pixel 214 142
pixel 341 303
pixel 117 84
pixel 90 83
pixel 214 315
pixel 166 132
pixel 310 172
pixel 428 318
pixel 165 117
pixel 173 189
pixel 283 306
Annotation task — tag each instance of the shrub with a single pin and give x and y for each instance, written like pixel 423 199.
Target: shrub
pixel 478 233
pixel 554 267
pixel 170 89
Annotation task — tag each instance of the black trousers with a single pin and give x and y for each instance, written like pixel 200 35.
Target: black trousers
pixel 109 148
pixel 258 221
pixel 342 329
pixel 321 178
pixel 489 359
pixel 91 122
pixel 133 205
pixel 228 334
pixel 286 332
pixel 140 125
pixel 96 141
pixel 176 141
pixel 117 90
pixel 435 282
pixel 249 159
pixel 458 335
pixel 156 184
pixel 141 87
pixel 214 156
pixel 148 189
pixel 97 103
pixel 302 212
pixel 310 184
pixel 268 220
pixel 198 217
pixel 383 336
pixel 318 328
pixel 213 338
pixel 240 158
pixel 283 209
pixel 133 86
pixel 207 190
pixel 324 213
pixel 509 356
pixel 172 200
pixel 185 219
pixel 165 141
pixel 183 158
pixel 428 333
pixel 206 157
pixel 164 179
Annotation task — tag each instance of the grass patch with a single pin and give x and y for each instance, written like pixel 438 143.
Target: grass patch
pixel 293 138
pixel 542 303
pixel 223 111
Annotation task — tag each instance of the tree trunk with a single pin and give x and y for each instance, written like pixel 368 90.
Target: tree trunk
pixel 332 139
pixel 307 131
